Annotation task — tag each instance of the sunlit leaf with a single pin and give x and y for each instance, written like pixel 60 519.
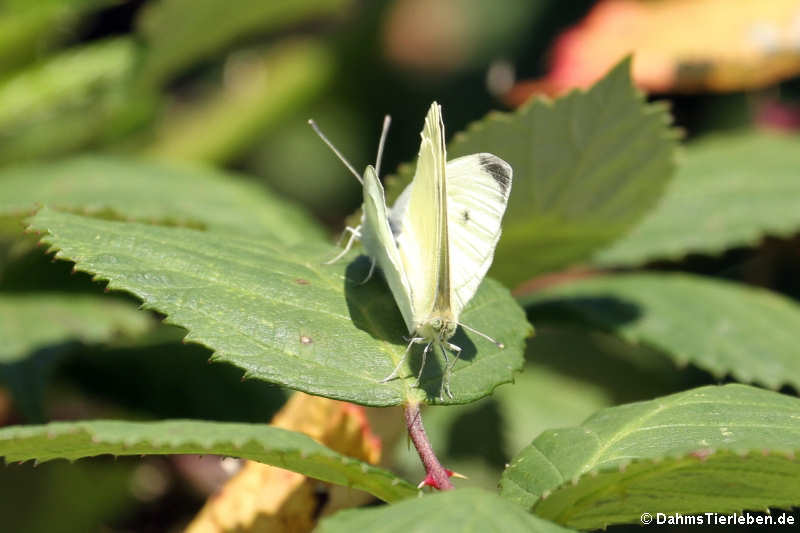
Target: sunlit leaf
pixel 258 442
pixel 157 193
pixel 280 314
pixel 730 191
pixel 570 373
pixel 586 167
pixel 725 328
pixel 712 449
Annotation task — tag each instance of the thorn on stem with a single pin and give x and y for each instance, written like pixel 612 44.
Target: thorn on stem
pixel 430 482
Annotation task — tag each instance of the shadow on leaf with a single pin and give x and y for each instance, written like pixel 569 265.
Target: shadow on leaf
pixel 610 311
pixel 373 309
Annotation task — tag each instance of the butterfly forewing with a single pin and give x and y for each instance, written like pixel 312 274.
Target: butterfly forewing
pixel 420 222
pixel 478 186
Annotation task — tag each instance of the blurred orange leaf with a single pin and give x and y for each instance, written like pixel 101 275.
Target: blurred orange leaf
pixel 262 498
pixel 678 46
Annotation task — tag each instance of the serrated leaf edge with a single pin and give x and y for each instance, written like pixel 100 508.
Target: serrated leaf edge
pixel 192 442
pixel 217 356
pixel 700 454
pixel 409 394
pixel 659 109
pixel 681 359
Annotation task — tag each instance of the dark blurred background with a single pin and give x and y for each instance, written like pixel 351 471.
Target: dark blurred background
pixel 232 84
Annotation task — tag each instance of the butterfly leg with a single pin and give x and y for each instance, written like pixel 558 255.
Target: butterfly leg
pixel 355 233
pixel 370 273
pixel 396 371
pixel 456 350
pixel 448 367
pixel 424 358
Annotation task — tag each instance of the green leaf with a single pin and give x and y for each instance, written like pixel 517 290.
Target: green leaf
pixel 68 101
pixel 586 167
pixel 463 510
pixel 27 28
pixel 30 321
pixel 282 315
pixel 257 442
pixel 719 326
pixel 38 329
pixel 150 192
pixel 570 373
pixel 712 449
pixel 181 32
pixel 269 87
pixel 730 191
pixel 67 498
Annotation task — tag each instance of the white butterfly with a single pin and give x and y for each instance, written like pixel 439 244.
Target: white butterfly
pixel 437 242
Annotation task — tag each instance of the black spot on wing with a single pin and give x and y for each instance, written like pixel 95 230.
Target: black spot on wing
pixel 497 170
pixel 465 216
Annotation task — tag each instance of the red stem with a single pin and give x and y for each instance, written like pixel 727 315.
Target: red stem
pixel 433 468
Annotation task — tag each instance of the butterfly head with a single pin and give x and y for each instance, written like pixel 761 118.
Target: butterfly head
pixel 440 326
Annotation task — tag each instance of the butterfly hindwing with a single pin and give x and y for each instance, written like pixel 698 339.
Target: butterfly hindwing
pixel 379 243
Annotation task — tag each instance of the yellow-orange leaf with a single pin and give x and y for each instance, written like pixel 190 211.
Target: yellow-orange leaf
pixel 678 46
pixel 262 498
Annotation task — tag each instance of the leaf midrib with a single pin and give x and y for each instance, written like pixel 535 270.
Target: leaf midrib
pixel 625 431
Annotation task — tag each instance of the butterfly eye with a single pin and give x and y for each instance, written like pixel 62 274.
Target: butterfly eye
pixel 436 323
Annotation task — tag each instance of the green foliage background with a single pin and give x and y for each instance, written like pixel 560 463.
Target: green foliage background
pixel 159 148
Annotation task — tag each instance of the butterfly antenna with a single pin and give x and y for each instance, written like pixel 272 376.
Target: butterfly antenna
pixel 335 151
pixel 484 335
pixel 387 120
